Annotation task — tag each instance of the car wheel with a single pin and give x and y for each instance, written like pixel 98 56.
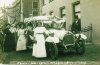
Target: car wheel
pixel 80 47
pixel 53 51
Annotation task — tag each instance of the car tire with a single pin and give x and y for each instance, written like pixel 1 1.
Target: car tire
pixel 80 47
pixel 53 51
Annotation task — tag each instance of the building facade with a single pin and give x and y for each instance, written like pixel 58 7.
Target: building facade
pixel 88 11
pixel 17 12
pixel 54 7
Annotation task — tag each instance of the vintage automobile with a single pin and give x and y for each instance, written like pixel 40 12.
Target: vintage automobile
pixel 67 40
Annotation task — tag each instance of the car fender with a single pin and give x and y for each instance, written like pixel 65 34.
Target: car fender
pixel 82 36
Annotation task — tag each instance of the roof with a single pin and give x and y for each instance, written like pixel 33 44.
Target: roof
pixel 45 19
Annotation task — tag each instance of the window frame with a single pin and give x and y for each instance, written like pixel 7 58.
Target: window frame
pixel 61 11
pixel 37 5
pixel 73 6
pixel 35 1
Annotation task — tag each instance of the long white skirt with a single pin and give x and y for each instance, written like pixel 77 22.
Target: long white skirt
pixel 39 49
pixel 21 43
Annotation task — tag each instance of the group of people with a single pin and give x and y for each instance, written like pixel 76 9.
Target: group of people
pixel 17 38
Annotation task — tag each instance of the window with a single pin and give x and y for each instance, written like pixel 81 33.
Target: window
pixel 35 5
pixel 50 1
pixel 76 9
pixel 62 12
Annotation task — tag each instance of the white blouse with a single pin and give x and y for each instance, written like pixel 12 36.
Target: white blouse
pixel 39 30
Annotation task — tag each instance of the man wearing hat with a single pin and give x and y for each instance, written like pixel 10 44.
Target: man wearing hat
pixel 76 25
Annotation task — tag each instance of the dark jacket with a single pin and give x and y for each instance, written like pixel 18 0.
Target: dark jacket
pixel 9 43
pixel 76 26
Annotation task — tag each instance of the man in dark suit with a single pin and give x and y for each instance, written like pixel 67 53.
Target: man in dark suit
pixel 76 25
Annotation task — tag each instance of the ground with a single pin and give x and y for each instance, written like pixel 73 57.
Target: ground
pixel 91 57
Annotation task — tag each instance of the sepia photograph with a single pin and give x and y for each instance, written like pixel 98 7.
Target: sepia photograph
pixel 49 32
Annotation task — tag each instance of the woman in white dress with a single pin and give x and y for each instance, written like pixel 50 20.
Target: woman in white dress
pixel 39 50
pixel 21 43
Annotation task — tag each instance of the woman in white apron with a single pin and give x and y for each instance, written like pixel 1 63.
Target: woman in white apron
pixel 21 43
pixel 39 50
